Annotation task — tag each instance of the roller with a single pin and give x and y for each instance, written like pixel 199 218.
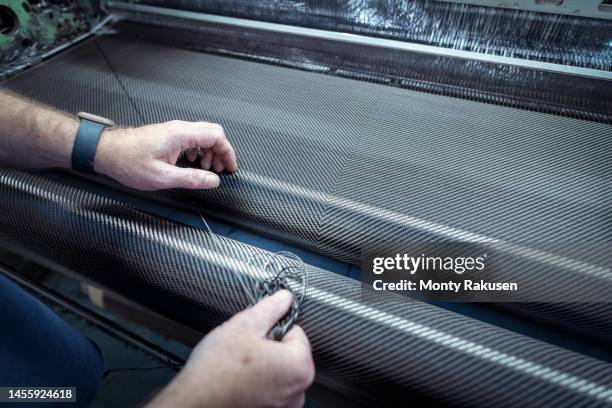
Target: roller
pixel 386 345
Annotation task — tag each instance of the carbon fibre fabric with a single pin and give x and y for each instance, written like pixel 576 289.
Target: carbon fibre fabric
pixel 382 344
pixel 80 77
pixel 334 164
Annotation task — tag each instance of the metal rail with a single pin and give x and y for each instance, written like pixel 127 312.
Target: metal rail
pixel 130 11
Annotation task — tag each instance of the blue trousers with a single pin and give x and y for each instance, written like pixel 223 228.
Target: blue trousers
pixel 39 349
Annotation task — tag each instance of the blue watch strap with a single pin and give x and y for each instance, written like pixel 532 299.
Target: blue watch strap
pixel 85 145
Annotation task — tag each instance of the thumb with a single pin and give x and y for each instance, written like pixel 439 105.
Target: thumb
pixel 296 336
pixel 179 177
pixel 266 313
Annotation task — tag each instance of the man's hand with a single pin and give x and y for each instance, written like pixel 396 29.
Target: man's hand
pixel 237 366
pixel 36 136
pixel 144 158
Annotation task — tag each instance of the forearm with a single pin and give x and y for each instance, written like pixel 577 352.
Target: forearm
pixel 33 135
pixel 144 158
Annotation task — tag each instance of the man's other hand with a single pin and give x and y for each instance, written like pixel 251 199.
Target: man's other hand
pixel 236 365
pixel 145 158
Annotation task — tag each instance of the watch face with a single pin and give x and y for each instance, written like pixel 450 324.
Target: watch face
pixel 95 118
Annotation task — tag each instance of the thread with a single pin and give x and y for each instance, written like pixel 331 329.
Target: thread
pixel 281 270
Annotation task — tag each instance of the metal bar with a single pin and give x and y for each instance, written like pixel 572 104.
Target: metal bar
pixel 94 318
pixel 130 11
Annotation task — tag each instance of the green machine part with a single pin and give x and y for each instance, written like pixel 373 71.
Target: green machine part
pixel 27 25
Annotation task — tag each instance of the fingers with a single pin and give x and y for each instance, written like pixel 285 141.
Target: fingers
pixel 206 136
pixel 218 164
pixel 264 315
pixel 192 154
pixel 207 160
pixel 177 177
pixel 294 351
pixel 296 336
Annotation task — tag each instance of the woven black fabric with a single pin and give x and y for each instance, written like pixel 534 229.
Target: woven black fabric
pixel 82 78
pixel 335 164
pixel 498 84
pixel 384 344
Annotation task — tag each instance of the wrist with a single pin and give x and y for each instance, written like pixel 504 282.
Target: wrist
pixel 55 134
pixel 68 128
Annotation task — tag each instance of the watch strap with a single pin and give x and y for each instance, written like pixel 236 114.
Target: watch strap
pixel 86 144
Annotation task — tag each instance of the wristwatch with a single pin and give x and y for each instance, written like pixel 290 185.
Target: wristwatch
pixel 86 141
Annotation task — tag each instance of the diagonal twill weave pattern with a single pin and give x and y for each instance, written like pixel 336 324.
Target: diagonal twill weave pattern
pixel 333 164
pixel 387 345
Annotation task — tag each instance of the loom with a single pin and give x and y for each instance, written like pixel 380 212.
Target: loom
pixel 355 122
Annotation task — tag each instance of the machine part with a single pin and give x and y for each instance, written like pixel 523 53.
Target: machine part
pixel 383 344
pixel 124 10
pixel 479 311
pixel 566 40
pixel 31 28
pixel 334 164
pixel 26 24
pixel 28 60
